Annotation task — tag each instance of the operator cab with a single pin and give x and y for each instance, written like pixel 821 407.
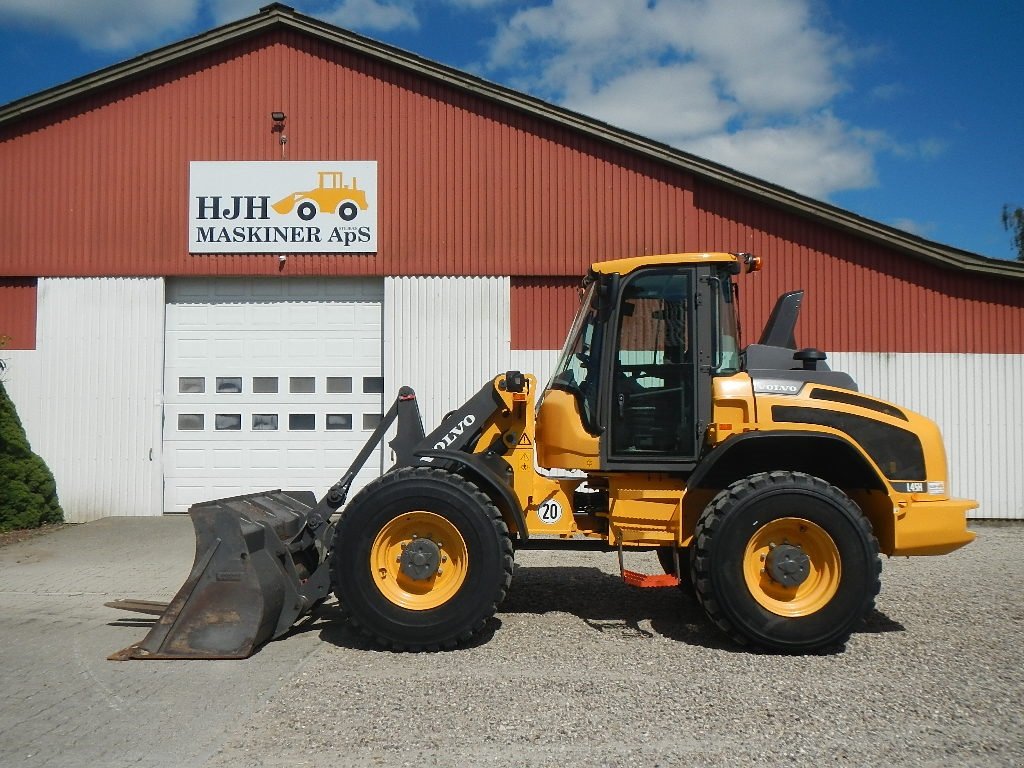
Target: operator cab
pixel 632 388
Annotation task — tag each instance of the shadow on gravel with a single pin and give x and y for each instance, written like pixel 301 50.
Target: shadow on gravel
pixel 877 622
pixel 609 606
pixel 336 630
pixel 601 600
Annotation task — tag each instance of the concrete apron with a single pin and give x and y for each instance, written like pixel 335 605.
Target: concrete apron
pixel 63 703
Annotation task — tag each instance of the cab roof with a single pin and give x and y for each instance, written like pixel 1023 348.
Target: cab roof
pixel 625 266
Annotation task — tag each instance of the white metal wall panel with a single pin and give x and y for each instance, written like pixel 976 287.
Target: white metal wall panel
pixel 975 400
pixel 444 337
pixel 269 383
pixel 89 394
pixel 539 362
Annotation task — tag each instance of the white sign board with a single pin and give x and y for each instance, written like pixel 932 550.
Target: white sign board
pixel 327 206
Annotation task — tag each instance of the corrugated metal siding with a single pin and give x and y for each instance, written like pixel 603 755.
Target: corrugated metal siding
pixel 860 297
pixel 539 362
pixel 975 401
pixel 467 186
pixel 542 310
pixel 90 395
pixel 444 337
pixel 18 312
pixel 847 306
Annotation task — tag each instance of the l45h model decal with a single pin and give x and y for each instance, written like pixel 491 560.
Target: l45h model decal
pixel 330 196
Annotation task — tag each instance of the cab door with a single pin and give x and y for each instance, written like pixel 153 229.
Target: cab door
pixel 657 394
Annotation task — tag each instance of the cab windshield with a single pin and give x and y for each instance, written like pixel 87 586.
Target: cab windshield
pixel 727 346
pixel 579 364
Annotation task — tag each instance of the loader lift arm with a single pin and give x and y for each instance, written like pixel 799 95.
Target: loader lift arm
pixel 410 433
pixel 451 442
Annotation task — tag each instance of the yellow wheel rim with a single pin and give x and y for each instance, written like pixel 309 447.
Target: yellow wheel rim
pixel 820 569
pixel 410 587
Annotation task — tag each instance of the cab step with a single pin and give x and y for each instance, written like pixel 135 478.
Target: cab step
pixel 650 580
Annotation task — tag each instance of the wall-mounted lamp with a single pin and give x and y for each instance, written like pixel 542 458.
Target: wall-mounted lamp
pixel 278 127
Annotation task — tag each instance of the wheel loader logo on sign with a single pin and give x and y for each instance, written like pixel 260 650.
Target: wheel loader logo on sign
pixel 330 196
pixel 324 206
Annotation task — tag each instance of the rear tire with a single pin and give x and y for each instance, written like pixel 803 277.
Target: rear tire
pixel 462 540
pixel 785 561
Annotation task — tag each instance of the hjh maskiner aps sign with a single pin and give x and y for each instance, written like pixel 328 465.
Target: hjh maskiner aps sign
pixel 327 206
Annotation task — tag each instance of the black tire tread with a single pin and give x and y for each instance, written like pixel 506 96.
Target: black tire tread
pixel 711 518
pixel 464 634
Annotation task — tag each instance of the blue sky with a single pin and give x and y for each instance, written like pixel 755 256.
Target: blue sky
pixel 910 113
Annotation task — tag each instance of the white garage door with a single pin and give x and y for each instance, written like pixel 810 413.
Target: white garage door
pixel 269 383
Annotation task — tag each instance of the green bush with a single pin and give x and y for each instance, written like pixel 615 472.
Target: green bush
pixel 28 494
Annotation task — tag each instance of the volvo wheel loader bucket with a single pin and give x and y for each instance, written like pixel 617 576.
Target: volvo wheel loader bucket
pixel 249 582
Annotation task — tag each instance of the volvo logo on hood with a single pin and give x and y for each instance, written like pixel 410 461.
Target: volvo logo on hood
pixel 777 387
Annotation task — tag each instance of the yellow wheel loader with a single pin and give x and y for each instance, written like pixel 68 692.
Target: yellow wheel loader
pixel 330 196
pixel 764 480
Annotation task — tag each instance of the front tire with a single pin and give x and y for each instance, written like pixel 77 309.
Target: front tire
pixel 785 561
pixel 421 560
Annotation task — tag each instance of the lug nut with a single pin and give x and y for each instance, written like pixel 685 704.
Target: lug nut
pixel 444 559
pixel 439 571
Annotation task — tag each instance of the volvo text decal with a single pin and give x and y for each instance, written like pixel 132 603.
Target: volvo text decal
pixel 325 206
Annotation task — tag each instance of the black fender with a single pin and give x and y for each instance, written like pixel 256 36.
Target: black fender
pixel 821 454
pixel 492 484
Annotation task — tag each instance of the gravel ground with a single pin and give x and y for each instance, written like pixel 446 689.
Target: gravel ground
pixel 581 670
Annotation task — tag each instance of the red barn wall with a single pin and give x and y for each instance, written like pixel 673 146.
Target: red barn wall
pixel 18 313
pixel 467 186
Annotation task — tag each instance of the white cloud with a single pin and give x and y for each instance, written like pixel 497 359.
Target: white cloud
pixel 377 15
pixel 371 14
pixel 816 156
pixel 747 83
pixel 127 25
pixel 674 102
pixel 224 11
pixel 103 24
pixel 921 229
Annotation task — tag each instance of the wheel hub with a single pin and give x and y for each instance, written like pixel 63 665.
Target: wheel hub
pixel 420 559
pixel 788 565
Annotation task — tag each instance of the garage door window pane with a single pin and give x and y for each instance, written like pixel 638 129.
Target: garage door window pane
pixel 339 385
pixel 301 421
pixel 371 420
pixel 264 421
pixel 191 385
pixel 373 384
pixel 229 385
pixel 190 421
pixel 264 385
pixel 229 421
pixel 339 421
pixel 302 385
